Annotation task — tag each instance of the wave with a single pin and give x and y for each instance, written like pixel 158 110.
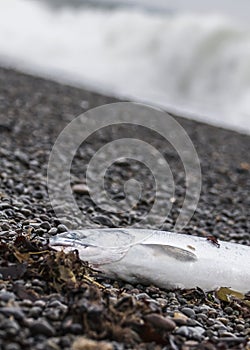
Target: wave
pixel 196 64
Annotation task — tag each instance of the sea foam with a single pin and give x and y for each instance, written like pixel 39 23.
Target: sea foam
pixel 196 65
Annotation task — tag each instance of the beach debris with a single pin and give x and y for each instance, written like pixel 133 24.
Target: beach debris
pixel 213 240
pixel 164 259
pixel 26 257
pixel 227 294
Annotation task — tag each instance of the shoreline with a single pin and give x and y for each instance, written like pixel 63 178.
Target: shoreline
pixel 33 111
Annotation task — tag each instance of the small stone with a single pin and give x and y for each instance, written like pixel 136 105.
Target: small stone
pixel 45 225
pixel 11 327
pixel 4 205
pixel 26 303
pixel 7 296
pixel 62 228
pixel 225 333
pixel 223 320
pixel 188 312
pixel 52 314
pixel 26 212
pixel 53 231
pixel 38 194
pixel 190 344
pixel 40 231
pixel 228 310
pixel 160 322
pixel 83 343
pixel 247 331
pixel 35 311
pixel 42 327
pixel 16 312
pixel 5 226
pixel 201 317
pixel 19 188
pixel 142 296
pixel 180 319
pixel 12 346
pixel 195 333
pixel 22 157
pixel 75 328
pixel 80 189
pixel 240 327
pixel 183 331
pixel 40 303
pixel 103 220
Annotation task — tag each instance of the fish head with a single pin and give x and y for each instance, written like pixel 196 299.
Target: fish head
pixel 90 247
pixel 69 241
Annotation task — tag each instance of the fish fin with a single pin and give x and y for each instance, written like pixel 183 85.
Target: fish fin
pixel 172 251
pixel 110 255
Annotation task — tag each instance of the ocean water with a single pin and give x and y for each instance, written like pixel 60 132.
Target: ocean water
pixel 186 56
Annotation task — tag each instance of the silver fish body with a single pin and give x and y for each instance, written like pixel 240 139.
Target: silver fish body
pixel 165 259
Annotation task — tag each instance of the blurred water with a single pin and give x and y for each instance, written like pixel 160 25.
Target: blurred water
pixel 193 62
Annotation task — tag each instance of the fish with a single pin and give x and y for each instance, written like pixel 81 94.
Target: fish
pixel 165 259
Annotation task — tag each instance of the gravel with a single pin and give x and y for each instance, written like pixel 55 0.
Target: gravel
pixel 35 312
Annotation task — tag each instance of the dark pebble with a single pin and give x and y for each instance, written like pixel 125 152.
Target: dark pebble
pixel 5 226
pixel 53 231
pixel 7 296
pixel 11 328
pixel 26 212
pixel 4 205
pixel 62 228
pixel 76 328
pixel 103 220
pixel 22 157
pixel 160 322
pixel 80 189
pixel 45 225
pixel 35 311
pixel 191 332
pixel 188 312
pixel 12 311
pixel 42 327
pixel 12 346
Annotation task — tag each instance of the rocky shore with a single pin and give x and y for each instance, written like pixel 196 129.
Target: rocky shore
pixel 54 301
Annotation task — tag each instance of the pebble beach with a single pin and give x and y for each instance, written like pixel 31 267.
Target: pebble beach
pixel 50 300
